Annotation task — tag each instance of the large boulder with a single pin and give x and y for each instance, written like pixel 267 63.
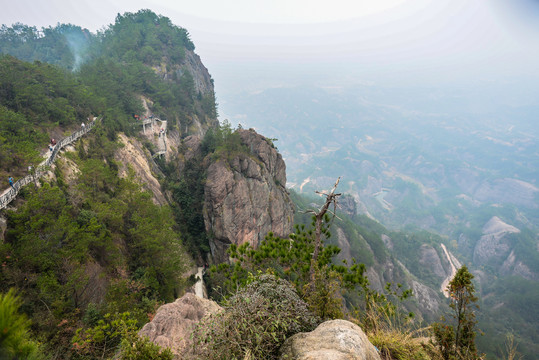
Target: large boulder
pixel 245 196
pixel 331 340
pixel 174 322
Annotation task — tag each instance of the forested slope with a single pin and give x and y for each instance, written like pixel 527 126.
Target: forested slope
pixel 92 249
pixel 87 240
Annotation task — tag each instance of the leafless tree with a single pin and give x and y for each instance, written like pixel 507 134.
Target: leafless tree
pixel 331 199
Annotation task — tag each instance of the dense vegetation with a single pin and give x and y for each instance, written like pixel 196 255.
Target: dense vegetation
pixel 117 64
pixel 256 321
pixel 63 45
pixel 36 99
pixel 89 253
pixel 80 248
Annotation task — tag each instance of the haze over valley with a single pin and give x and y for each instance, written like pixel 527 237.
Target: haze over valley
pixel 427 113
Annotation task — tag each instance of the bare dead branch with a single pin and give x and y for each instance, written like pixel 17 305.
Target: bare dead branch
pixel 331 198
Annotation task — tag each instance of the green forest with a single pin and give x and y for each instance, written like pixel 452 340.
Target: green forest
pixel 88 253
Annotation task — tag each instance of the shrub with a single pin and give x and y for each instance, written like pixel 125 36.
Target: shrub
pixel 400 345
pixel 15 342
pixel 255 323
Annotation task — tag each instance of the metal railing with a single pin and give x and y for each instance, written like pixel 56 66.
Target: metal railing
pixel 41 170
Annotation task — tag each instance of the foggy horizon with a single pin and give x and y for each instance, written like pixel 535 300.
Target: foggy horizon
pixel 413 42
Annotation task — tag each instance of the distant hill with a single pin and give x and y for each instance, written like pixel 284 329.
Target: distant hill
pixel 418 159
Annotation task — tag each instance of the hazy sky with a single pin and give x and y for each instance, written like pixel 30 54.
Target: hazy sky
pixel 369 40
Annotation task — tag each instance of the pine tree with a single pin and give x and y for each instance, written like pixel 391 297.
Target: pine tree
pixel 458 341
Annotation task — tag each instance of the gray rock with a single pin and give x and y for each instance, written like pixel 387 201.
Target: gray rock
pixel 174 322
pixel 245 197
pixel 387 241
pixel 507 190
pixel 430 259
pixel 347 204
pixel 493 245
pixel 427 298
pixel 3 227
pixel 332 340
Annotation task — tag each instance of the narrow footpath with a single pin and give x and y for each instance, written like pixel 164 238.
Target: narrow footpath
pixel 11 192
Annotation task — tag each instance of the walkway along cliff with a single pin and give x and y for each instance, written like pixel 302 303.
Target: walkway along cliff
pixel 41 170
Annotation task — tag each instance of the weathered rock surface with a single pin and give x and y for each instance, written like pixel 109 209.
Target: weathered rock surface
pixel 332 340
pixel 508 190
pixel 387 241
pixel 512 266
pixel 427 298
pixel 174 322
pixel 347 204
pixel 3 226
pixel 344 244
pixel 429 258
pixel 132 155
pixel 203 84
pixel 245 197
pixel 493 244
pixel 201 76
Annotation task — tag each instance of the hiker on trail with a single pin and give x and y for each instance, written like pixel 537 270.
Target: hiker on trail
pixel 10 179
pixel 83 125
pixel 53 142
pixel 50 147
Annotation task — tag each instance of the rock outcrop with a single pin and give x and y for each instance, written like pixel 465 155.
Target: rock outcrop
pixel 493 244
pixel 430 259
pixel 3 226
pixel 508 190
pixel 201 77
pixel 245 196
pixel 192 66
pixel 427 299
pixel 332 340
pixel 347 204
pixel 174 322
pixel 133 156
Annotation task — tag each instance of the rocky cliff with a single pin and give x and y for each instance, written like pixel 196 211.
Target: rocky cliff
pixel 496 248
pixel 192 69
pixel 494 244
pixel 245 196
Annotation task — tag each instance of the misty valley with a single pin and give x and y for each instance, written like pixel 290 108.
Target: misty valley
pixel 404 217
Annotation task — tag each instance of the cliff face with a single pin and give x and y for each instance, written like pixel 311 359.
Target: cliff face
pixel 201 76
pixel 245 197
pixel 133 156
pixel 191 65
pixel 496 248
pixel 494 244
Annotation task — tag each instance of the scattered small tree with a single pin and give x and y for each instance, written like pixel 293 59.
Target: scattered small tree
pixel 116 336
pixel 458 341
